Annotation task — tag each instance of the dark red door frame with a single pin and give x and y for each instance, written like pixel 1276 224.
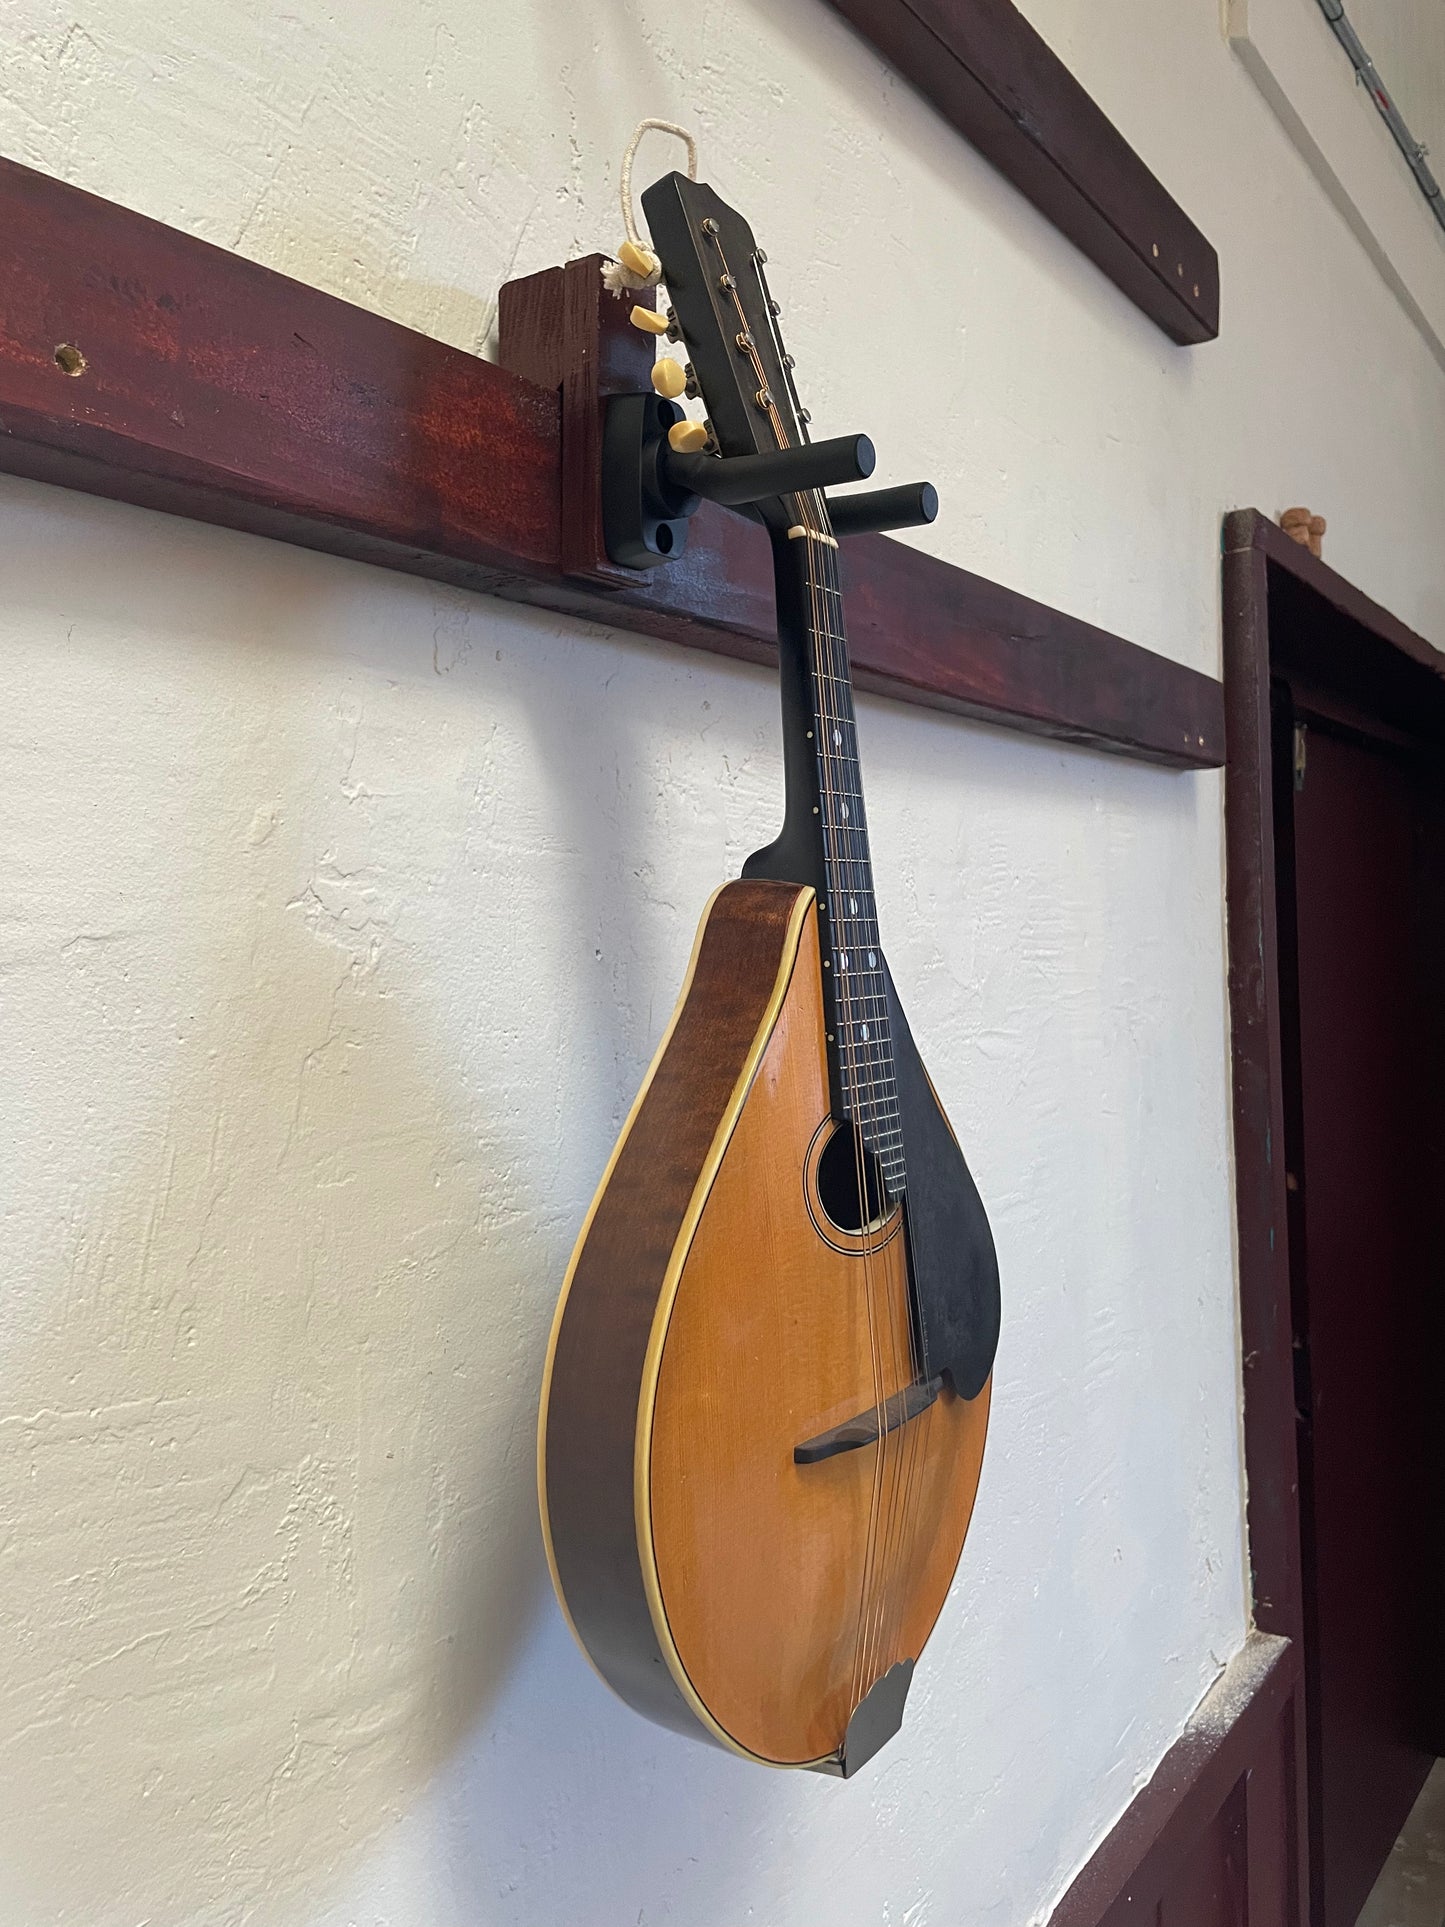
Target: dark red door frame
pixel 1284 610
pixel 1294 625
pixel 1220 1834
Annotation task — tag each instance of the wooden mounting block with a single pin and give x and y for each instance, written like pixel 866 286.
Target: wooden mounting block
pixel 139 363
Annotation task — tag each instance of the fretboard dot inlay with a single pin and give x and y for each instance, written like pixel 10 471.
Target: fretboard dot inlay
pixel 855 986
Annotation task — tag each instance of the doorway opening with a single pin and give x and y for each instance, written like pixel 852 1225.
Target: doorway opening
pixel 1335 812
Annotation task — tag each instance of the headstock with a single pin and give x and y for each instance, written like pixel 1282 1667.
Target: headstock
pixel 656 465
pixel 722 308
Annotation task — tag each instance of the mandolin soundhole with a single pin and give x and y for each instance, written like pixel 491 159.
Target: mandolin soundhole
pixel 850 1187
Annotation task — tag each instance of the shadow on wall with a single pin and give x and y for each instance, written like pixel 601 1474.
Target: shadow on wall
pixel 269 1470
pixel 317 1140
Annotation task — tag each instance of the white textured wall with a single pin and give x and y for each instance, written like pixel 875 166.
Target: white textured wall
pixel 342 913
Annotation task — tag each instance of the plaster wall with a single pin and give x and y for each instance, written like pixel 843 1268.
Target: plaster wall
pixel 342 913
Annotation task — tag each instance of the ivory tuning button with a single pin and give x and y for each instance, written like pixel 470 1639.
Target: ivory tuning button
pixel 687 438
pixel 639 261
pixel 649 320
pixel 669 378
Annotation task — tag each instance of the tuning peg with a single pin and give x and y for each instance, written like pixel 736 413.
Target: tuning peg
pixel 639 261
pixel 649 320
pixel 669 378
pixel 687 438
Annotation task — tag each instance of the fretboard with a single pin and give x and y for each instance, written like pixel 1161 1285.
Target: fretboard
pixel 853 959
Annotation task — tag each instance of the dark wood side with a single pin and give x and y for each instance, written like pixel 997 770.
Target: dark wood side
pixel 1261 1197
pixel 593 1386
pixel 997 81
pixel 216 389
pixel 1426 1634
pixel 1208 1842
pixel 563 329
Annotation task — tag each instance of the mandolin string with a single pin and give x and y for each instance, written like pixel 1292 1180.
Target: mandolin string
pixel 909 1454
pixel 853 856
pixel 829 720
pixel 893 1453
pixel 811 514
pixel 903 1536
pixel 842 883
pixel 882 1093
pixel 882 1087
pixel 839 885
pixel 920 1432
pixel 814 516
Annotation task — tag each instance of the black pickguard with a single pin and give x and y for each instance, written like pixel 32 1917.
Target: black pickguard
pixel 952 1263
pixel 953 1267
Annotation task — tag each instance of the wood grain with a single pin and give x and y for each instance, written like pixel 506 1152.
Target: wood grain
pixel 216 389
pixel 594 1377
pixel 562 329
pixel 706 1329
pixel 775 1335
pixel 1260 1197
pixel 991 75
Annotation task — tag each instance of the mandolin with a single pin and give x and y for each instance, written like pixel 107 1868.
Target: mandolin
pixel 767 1386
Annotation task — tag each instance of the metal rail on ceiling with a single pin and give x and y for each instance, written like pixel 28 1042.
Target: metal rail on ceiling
pixel 1365 70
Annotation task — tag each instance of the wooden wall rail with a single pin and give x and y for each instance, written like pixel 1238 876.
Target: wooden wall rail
pixel 212 388
pixel 999 83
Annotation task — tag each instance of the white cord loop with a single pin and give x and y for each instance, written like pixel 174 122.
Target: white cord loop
pixel 637 266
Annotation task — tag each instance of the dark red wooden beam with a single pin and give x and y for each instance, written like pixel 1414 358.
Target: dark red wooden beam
pixel 991 75
pixel 216 389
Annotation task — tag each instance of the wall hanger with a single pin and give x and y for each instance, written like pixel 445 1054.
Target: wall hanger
pixel 140 363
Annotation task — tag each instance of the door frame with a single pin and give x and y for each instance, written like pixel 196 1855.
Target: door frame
pixel 1286 613
pixel 1282 608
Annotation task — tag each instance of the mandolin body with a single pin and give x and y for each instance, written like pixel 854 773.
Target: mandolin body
pixel 714 1318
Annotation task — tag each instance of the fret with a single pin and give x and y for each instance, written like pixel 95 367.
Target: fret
pixel 856 988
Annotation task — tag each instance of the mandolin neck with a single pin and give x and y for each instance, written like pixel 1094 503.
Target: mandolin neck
pixel 825 840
